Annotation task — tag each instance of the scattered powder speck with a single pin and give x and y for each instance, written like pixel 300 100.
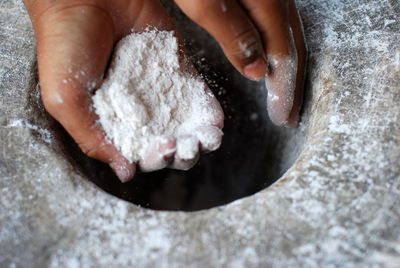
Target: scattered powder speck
pixel 45 134
pixel 223 7
pixel 247 49
pixel 147 94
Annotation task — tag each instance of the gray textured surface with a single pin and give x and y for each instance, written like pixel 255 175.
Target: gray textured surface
pixel 338 205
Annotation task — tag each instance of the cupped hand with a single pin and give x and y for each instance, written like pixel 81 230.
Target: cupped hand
pixel 75 39
pixel 261 38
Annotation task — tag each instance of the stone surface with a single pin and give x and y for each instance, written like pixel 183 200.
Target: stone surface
pixel 338 205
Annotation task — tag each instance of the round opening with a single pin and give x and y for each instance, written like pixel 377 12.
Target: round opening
pixel 253 155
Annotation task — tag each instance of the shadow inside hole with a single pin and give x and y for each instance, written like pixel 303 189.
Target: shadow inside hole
pixel 253 155
pixel 249 159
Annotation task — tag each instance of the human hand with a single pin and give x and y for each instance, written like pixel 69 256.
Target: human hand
pixel 75 39
pixel 261 39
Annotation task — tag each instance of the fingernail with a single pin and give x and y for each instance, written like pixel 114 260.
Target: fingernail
pixel 124 172
pixel 256 70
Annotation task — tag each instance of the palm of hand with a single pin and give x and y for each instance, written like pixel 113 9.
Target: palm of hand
pixel 74 42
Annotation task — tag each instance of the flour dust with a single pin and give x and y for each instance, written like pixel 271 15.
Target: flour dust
pixel 147 94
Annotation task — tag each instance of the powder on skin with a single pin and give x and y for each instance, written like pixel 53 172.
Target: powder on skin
pixel 148 94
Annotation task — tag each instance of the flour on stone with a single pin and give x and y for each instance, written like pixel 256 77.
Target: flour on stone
pixel 147 94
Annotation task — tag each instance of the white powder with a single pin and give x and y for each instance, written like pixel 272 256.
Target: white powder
pixel 147 94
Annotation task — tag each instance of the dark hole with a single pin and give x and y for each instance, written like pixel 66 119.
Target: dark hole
pixel 246 163
pixel 253 155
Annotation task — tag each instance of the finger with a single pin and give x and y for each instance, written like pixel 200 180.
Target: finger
pixel 215 108
pixel 229 24
pixel 210 137
pixel 72 55
pixel 285 57
pixel 271 17
pixel 159 154
pixel 187 152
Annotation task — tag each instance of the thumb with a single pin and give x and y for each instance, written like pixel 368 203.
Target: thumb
pixel 73 45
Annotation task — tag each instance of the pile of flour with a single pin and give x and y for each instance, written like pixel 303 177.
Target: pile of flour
pixel 148 94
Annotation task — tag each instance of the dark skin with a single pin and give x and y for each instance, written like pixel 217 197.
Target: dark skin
pixel 77 36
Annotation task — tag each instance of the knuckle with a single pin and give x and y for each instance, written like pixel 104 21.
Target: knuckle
pixel 39 10
pixel 96 147
pixel 245 46
pixel 91 149
pixel 52 100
